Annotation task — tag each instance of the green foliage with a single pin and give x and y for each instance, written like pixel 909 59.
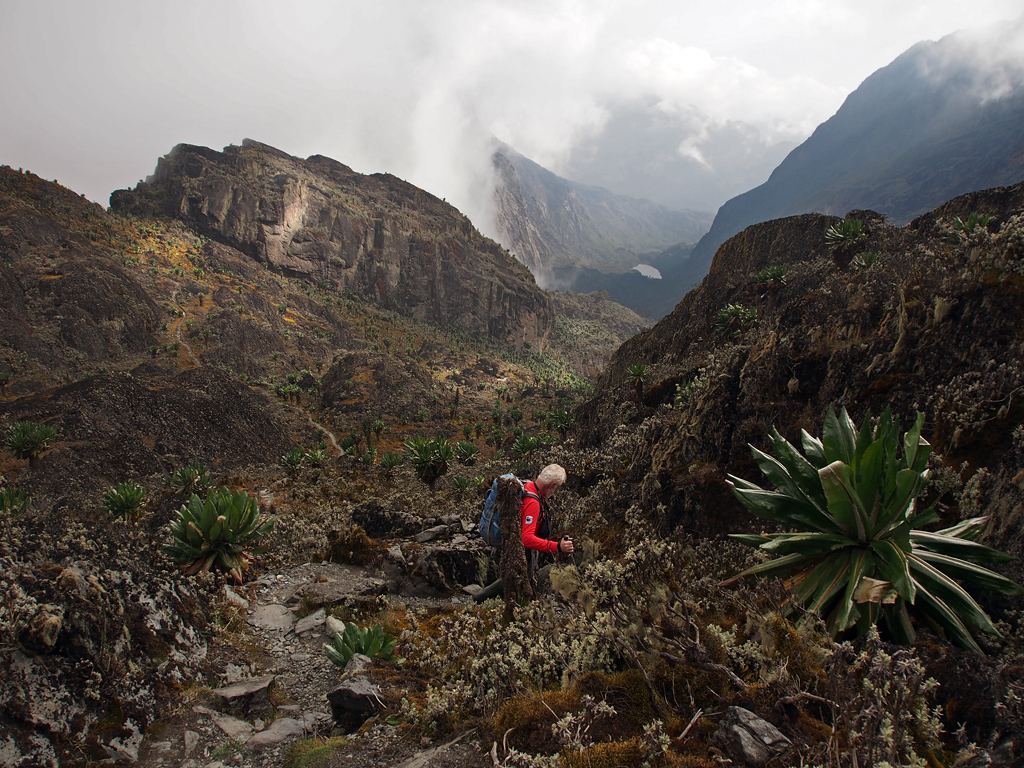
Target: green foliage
pixel 524 444
pixel 317 457
pixel 369 457
pixel 26 439
pixel 430 457
pixel 775 275
pixel 733 319
pixel 191 478
pixel 859 554
pixel 223 531
pixel 462 483
pixel 293 459
pixel 863 261
pixel 560 420
pixel 12 502
pixel 125 501
pixel 467 453
pixel 390 460
pixel 369 641
pixel 637 374
pixel 845 233
pixel 963 229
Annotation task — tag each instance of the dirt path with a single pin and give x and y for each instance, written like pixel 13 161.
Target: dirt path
pixel 177 330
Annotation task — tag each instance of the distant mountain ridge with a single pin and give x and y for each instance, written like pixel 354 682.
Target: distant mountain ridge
pixel 934 124
pixel 550 223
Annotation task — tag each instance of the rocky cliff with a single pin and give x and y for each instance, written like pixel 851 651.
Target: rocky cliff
pixel 374 236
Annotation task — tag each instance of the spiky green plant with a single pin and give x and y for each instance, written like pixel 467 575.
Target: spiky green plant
pixel 369 641
pixel 125 501
pixel 293 459
pixel 193 477
pixel 733 319
pixel 774 275
pixel 223 532
pixel 962 229
pixel 430 457
pixel 316 457
pixel 637 374
pixel 12 503
pixel 524 444
pixel 390 460
pixel 560 421
pixel 26 439
pixel 863 260
pixel 467 453
pixel 859 554
pixel 845 233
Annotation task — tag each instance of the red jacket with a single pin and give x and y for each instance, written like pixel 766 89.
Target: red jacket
pixel 533 513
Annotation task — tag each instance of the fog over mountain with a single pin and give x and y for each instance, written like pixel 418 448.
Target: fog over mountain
pixel 679 159
pixel 944 119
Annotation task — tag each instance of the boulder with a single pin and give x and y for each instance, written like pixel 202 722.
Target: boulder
pixel 750 739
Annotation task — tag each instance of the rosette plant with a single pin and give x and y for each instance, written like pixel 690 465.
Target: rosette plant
pixel 223 532
pixel 369 641
pixel 859 555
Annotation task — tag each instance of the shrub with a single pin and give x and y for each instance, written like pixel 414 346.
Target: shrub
pixel 863 261
pixel 859 554
pixel 192 478
pixel 125 501
pixel 293 459
pixel 223 531
pixel 467 453
pixel 430 457
pixel 390 460
pixel 12 503
pixel 26 439
pixel 316 457
pixel 845 233
pixel 369 641
pixel 775 275
pixel 560 420
pixel 733 319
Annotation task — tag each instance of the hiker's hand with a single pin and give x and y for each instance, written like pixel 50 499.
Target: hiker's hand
pixel 565 545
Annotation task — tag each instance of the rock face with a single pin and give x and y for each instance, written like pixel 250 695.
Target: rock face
pixel 550 222
pixel 374 236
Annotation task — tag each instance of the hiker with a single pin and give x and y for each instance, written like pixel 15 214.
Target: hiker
pixel 536 524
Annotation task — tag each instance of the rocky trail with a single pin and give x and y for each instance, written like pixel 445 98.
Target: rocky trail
pixel 276 684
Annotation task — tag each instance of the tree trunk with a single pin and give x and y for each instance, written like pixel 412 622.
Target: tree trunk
pixel 513 553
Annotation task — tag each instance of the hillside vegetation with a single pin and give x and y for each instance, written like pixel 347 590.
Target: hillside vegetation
pixel 156 353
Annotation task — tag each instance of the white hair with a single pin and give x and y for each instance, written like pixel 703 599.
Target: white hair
pixel 552 476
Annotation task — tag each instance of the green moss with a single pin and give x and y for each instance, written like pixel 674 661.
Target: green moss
pixel 306 753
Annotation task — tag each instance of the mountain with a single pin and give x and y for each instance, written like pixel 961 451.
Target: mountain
pixel 945 118
pixel 551 223
pixel 375 236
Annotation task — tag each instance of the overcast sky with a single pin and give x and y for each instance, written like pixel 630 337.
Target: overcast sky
pixel 92 92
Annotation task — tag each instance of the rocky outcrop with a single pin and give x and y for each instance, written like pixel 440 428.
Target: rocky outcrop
pixel 934 324
pixel 375 236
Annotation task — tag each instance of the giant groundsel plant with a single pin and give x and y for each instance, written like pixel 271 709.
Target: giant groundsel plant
pixel 858 555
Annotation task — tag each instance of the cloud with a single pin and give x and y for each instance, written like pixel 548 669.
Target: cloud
pixel 418 88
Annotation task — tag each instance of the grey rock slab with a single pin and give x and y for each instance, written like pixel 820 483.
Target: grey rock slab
pixel 281 729
pixel 311 622
pixel 191 741
pixel 234 598
pixel 333 626
pixel 431 533
pixel 251 696
pixel 273 616
pixel 234 727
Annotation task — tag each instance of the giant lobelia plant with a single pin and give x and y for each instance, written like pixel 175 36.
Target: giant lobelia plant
pixel 222 531
pixel 859 554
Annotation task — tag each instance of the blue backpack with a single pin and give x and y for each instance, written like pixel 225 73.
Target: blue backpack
pixel 490 529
